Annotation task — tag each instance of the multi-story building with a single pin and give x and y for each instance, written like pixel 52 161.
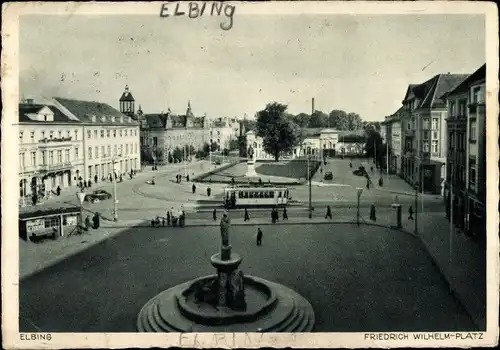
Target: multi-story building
pixel 50 149
pixel 110 138
pixel 222 131
pixel 465 188
pixel 425 116
pixel 392 127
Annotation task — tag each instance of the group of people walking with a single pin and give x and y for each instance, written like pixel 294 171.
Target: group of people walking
pixel 172 218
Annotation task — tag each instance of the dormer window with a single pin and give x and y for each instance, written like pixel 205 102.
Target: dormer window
pixel 121 119
pixel 112 119
pixel 51 135
pixel 92 117
pixel 103 118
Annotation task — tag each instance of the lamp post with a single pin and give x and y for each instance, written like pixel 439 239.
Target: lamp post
pixel 310 187
pixel 115 200
pixel 359 192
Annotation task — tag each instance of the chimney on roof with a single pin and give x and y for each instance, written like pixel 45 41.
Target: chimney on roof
pixel 29 101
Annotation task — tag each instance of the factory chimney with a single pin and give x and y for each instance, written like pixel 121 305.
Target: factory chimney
pixel 312 110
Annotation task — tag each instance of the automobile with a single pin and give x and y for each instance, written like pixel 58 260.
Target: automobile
pixel 97 196
pixel 328 175
pixel 217 162
pixel 360 171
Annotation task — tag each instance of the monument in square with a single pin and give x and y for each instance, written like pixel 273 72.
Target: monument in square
pixel 250 155
pixel 227 301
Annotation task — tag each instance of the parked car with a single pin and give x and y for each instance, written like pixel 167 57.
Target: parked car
pixel 97 196
pixel 360 171
pixel 328 175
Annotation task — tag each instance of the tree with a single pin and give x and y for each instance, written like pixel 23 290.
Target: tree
pixel 318 120
pixel 233 144
pixel 301 119
pixel 373 146
pixel 279 134
pixel 354 121
pixel 242 145
pixel 214 146
pixel 337 119
pixel 178 154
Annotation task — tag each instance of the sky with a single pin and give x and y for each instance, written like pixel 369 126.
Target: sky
pixel 357 63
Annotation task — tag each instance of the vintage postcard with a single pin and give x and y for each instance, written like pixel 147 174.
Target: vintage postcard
pixel 245 175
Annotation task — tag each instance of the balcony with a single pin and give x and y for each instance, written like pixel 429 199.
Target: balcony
pixel 48 142
pixel 56 167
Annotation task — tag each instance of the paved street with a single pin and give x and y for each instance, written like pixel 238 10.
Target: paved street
pixel 357 279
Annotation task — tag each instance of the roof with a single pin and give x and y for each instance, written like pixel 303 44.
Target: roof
pixel 463 87
pixel 442 84
pixel 127 97
pixel 84 110
pixel 31 108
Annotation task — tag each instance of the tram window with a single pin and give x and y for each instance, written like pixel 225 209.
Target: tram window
pixel 251 195
pixel 261 194
pixel 279 194
pixel 271 194
pixel 266 194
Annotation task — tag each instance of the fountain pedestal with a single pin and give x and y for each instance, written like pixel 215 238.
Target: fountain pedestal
pixel 251 169
pixel 225 269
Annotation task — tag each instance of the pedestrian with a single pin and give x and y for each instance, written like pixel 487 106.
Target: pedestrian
pixel 214 214
pixel 285 214
pixel 85 183
pixel 96 221
pixel 381 182
pixel 58 190
pixel 153 181
pixel 34 199
pixel 89 184
pixel 321 170
pixel 273 216
pixel 163 221
pixel 187 178
pixel 168 217
pixel 260 181
pixel 194 188
pixel 131 175
pixel 121 178
pixel 247 218
pixel 371 169
pixel 350 165
pixel 410 213
pixel 368 184
pixel 259 236
pixel 373 216
pixel 328 212
pixel 87 223
pixel 95 179
pixel 232 180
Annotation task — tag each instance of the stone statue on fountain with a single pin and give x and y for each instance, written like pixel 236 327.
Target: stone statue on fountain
pixel 250 153
pixel 225 224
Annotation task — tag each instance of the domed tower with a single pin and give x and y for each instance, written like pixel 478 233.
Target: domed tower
pixel 127 102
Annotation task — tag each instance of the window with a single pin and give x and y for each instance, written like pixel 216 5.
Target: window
pixel 426 146
pixel 76 135
pixel 108 133
pixel 102 134
pixel 59 157
pixel 59 133
pixel 44 158
pixel 68 133
pixel 51 157
pixel 250 195
pixel 102 152
pixel 477 95
pixel 76 154
pixel 461 108
pixel 121 133
pixel 114 133
pixel 51 134
pixel 43 134
pixel 434 134
pixel 20 137
pixel 125 132
pixel 434 146
pixel 126 149
pixel 108 153
pixel 408 126
pixel 33 158
pixel 472 130
pixel 426 124
pixel 32 136
pixel 155 141
pixel 90 152
pixel 426 135
pixel 52 222
pixel 135 148
pixel 452 139
pixel 21 160
pixel 472 173
pixel 114 150
pixel 271 194
pixel 135 132
pixel 89 134
pixel 96 151
pixel 66 155
pixel 95 134
pixel 435 123
pixel 121 150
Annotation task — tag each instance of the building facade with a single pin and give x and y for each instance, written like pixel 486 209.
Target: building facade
pixel 465 188
pixel 425 145
pixel 50 150
pixel 392 127
pixel 110 138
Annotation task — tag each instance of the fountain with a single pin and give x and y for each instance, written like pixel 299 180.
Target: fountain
pixel 228 301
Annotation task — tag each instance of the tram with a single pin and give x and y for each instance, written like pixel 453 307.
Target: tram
pixel 247 196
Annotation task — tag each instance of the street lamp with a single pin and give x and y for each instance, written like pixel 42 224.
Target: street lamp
pixel 115 200
pixel 310 187
pixel 359 192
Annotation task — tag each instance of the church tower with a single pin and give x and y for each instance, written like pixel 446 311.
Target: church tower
pixel 127 102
